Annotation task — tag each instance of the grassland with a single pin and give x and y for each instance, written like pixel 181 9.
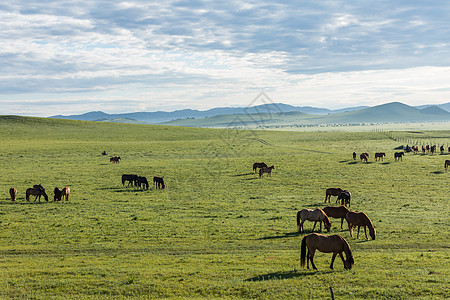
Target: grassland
pixel 216 231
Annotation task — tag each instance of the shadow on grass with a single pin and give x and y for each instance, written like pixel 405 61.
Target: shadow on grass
pixel 245 174
pixel 351 163
pixel 385 163
pixel 437 172
pixel 286 275
pixel 124 190
pixel 286 235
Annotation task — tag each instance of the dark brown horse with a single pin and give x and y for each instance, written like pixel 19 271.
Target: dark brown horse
pixel 60 194
pixel 398 155
pixel 131 178
pixel 335 244
pixel 115 159
pixel 379 156
pixel 332 192
pixel 258 165
pixel 359 219
pixel 159 182
pixel 364 157
pixel 142 181
pixel 337 212
pixel 354 155
pixel 13 194
pixel 36 190
pixel 57 191
pixel 345 197
pixel 266 170
pixel 446 164
pixel 316 215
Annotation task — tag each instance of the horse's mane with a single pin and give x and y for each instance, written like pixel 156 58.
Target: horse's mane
pixel 348 251
pixel 326 220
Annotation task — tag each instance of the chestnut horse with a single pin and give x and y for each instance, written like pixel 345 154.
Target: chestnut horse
pixel 446 164
pixel 36 190
pixel 258 165
pixel 316 215
pixel 13 194
pixel 336 212
pixel 266 170
pixel 65 193
pixel 359 219
pixel 327 244
pixel 332 192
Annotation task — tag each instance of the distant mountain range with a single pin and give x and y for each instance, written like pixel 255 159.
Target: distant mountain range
pixel 277 114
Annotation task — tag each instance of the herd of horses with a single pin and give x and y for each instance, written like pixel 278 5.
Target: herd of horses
pixel 38 190
pixel 141 181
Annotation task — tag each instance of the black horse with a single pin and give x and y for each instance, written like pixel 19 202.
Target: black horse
pixel 131 178
pixel 142 181
pixel 258 165
pixel 344 197
pixel 398 155
pixel 159 182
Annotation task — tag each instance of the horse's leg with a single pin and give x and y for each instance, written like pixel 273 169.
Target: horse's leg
pixel 312 259
pixel 343 260
pixel 365 232
pixel 350 229
pixel 342 222
pixel 300 229
pixel 315 222
pixel 332 260
pixel 357 236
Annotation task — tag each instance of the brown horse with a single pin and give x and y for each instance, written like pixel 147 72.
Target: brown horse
pixel 13 194
pixel 65 193
pixel 364 157
pixel 266 170
pixel 36 190
pixel 398 155
pixel 345 197
pixel 327 244
pixel 258 165
pixel 359 219
pixel 316 215
pixel 379 156
pixel 336 212
pixel 332 192
pixel 115 159
pixel 57 191
pixel 354 155
pixel 446 164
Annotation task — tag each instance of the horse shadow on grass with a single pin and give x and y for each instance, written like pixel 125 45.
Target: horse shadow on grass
pixel 285 235
pixel 244 174
pixel 437 172
pixel 285 275
pixel 123 190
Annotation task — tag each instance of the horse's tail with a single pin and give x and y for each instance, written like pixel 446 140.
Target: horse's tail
pixel 303 252
pixel 348 252
pixel 298 219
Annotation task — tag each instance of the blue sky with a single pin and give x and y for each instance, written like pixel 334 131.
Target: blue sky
pixel 71 57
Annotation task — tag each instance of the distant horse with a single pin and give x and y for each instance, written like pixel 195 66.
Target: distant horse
pixel 258 165
pixel 424 149
pixel 104 153
pixel 364 157
pixel 159 182
pixel 13 194
pixel 415 149
pixel 448 149
pixel 131 178
pixel 266 170
pixel 359 219
pixel 433 149
pixel 446 164
pixel 115 159
pixel 379 155
pixel 327 244
pixel 344 197
pixel 36 190
pixel 57 191
pixel 332 192
pixel 398 155
pixel 316 215
pixel 354 155
pixel 336 212
pixel 442 149
pixel 65 193
pixel 142 181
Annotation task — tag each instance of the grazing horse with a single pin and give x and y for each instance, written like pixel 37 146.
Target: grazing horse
pixel 332 192
pixel 159 182
pixel 36 190
pixel 258 165
pixel 57 191
pixel 327 244
pixel 424 149
pixel 115 159
pixel 433 149
pixel 266 170
pixel 415 149
pixel 354 155
pixel 398 155
pixel 131 178
pixel 446 164
pixel 13 194
pixel 442 149
pixel 364 157
pixel 336 212
pixel 316 215
pixel 379 155
pixel 345 197
pixel 359 219
pixel 65 193
pixel 142 181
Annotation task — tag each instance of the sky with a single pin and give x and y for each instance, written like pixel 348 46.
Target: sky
pixel 71 57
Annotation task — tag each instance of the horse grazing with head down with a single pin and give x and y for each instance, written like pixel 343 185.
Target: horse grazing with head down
pixel 344 197
pixel 316 215
pixel 159 182
pixel 13 194
pixel 360 219
pixel 335 244
pixel 141 180
pixel 38 191
pixel 336 212
pixel 266 170
pixel 332 192
pixel 446 164
pixel 258 165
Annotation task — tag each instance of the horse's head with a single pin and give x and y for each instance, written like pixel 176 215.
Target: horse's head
pixel 45 196
pixel 349 262
pixel 327 224
pixel 372 232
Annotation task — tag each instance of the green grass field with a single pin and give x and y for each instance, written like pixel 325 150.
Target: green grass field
pixel 217 230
